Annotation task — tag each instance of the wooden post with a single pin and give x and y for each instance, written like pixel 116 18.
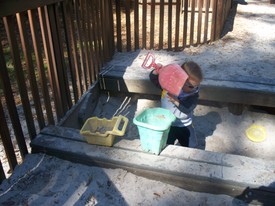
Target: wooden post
pixel 2 173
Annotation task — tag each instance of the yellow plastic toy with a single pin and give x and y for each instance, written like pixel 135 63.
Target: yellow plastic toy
pixel 256 133
pixel 103 131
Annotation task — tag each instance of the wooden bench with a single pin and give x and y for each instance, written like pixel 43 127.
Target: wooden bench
pixel 235 94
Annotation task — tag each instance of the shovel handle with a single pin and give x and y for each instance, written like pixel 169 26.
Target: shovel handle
pixel 153 64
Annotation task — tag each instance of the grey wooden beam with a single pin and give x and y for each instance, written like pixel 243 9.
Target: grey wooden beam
pixel 195 170
pixel 236 93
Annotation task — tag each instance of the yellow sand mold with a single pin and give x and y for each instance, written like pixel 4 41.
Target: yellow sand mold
pixel 256 133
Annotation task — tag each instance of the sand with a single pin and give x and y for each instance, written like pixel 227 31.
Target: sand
pixel 245 52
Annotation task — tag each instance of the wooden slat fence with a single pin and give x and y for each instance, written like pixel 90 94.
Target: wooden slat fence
pixel 50 53
pixel 168 24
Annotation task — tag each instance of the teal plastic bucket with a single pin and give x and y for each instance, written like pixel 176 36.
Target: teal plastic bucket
pixel 153 126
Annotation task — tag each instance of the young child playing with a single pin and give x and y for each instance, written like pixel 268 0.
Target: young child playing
pixel 182 106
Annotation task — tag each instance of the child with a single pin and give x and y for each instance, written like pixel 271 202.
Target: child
pixel 183 105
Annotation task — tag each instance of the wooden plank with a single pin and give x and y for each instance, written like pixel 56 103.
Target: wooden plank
pixel 15 54
pixel 101 25
pixel 108 13
pixel 192 22
pixel 54 58
pixel 39 61
pixel 80 46
pixel 99 31
pixel 10 7
pixel 94 46
pixel 94 63
pixel 169 31
pixel 6 140
pixel 122 79
pixel 63 132
pixel 2 173
pixel 85 44
pixel 114 80
pixel 72 62
pixel 161 24
pixel 128 25
pixel 77 63
pixel 144 23
pixel 177 24
pixel 111 29
pixel 186 182
pixel 241 95
pixel 199 30
pixel 67 49
pixel 190 174
pixel 4 77
pixel 205 39
pixel 47 43
pixel 214 20
pixel 185 23
pixel 219 18
pixel 133 86
pixel 152 25
pixel 59 55
pixel 104 29
pixel 30 68
pixel 118 26
pixel 136 24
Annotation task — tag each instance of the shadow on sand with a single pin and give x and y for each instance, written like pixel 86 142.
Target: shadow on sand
pixel 205 126
pixel 259 196
pixel 229 24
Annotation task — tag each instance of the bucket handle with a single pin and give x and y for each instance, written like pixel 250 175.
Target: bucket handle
pixel 116 130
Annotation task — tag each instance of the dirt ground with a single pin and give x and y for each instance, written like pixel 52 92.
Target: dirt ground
pixel 247 51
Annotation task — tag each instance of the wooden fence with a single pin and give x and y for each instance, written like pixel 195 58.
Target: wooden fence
pixel 52 51
pixel 168 24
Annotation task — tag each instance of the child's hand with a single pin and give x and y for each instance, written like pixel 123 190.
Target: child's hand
pixel 156 70
pixel 173 100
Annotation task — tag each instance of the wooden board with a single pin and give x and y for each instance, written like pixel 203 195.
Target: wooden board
pixel 134 80
pixel 203 171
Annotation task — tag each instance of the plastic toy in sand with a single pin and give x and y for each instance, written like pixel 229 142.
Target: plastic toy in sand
pixel 256 133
